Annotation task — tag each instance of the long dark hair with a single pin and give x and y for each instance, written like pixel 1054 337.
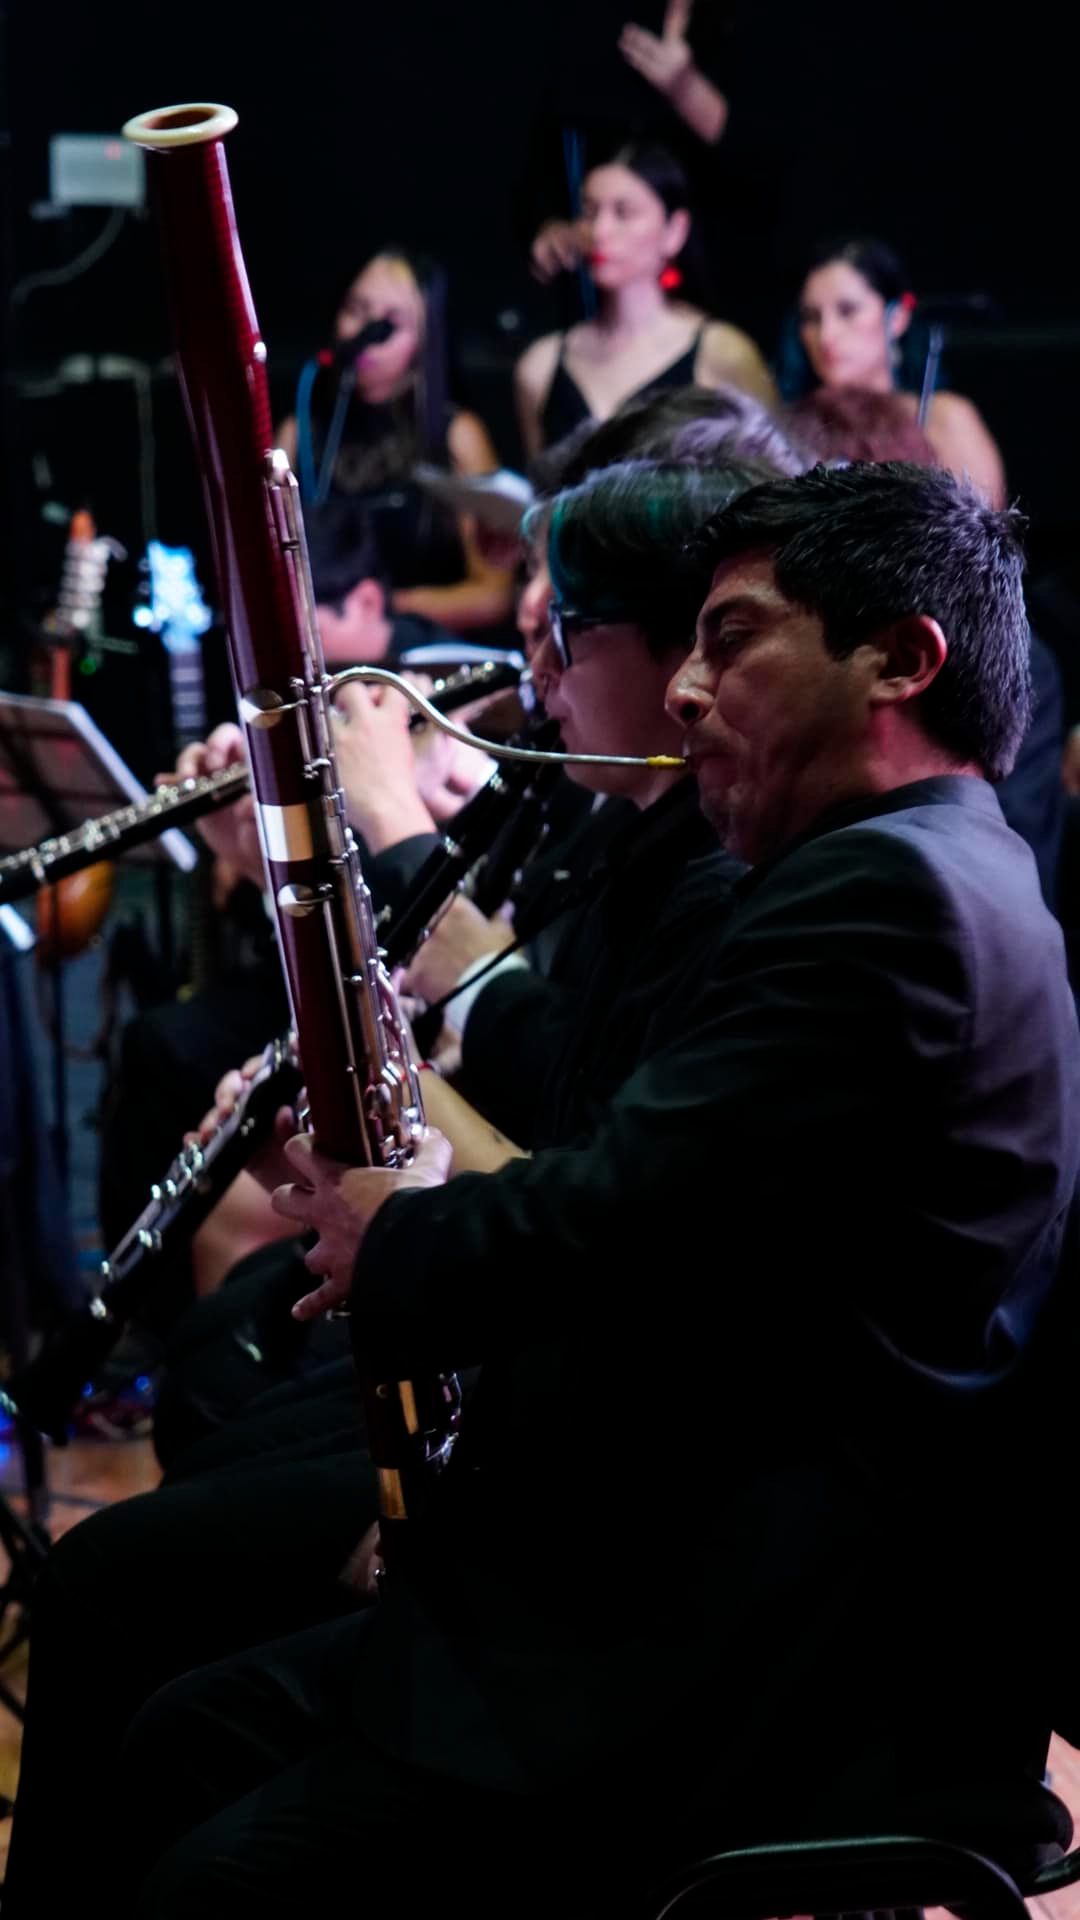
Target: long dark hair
pixel 380 447
pixel 432 388
pixel 883 269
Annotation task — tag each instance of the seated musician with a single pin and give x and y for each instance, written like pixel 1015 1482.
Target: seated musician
pixel 228 1557
pixel 515 1016
pixel 760 1346
pixel 614 960
pixel 358 622
pixel 854 423
pixel 518 1020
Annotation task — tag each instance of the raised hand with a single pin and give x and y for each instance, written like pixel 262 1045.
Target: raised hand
pixel 663 59
pixel 556 249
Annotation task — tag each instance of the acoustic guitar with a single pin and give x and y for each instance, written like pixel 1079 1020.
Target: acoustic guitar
pixel 70 912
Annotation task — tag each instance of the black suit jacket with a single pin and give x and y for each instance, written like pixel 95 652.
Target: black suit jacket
pixel 1033 798
pixel 770 1323
pixel 544 1052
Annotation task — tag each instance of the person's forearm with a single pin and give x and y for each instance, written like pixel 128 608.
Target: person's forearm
pixel 470 604
pixel 702 106
pixel 478 1146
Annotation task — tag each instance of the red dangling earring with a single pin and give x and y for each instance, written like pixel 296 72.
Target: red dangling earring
pixel 670 279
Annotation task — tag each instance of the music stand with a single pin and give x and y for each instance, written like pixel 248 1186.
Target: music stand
pixel 57 770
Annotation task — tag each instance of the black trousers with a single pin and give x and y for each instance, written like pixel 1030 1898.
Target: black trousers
pixel 229 1352
pixel 254 1796
pixel 247 1546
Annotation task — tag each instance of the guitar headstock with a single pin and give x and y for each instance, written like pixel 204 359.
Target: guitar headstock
pixel 174 606
pixel 175 610
pixel 75 620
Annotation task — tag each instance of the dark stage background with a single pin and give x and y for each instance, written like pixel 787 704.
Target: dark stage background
pixel 421 120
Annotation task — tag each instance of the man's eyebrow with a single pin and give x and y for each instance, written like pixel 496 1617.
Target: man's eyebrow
pixel 745 603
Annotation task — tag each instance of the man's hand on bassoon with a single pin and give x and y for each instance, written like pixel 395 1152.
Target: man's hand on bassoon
pixel 339 1203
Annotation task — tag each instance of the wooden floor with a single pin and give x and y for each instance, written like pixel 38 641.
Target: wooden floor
pixel 91 1473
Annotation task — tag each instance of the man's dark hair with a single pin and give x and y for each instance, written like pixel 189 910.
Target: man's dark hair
pixel 699 424
pixel 617 544
pixel 342 551
pixel 866 545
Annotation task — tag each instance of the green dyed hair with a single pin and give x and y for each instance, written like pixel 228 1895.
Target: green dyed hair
pixel 617 544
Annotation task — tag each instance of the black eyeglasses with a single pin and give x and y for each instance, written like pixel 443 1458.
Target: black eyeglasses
pixel 562 621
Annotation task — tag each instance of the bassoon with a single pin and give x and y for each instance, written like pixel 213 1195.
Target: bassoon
pixel 363 1089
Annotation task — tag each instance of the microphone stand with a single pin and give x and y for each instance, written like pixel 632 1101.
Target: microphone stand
pixel 313 491
pixel 574 163
pixel 346 386
pixel 934 345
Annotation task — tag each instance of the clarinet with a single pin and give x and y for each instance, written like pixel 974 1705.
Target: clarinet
pixel 494 879
pixel 363 1087
pixel 46 1391
pixel 466 846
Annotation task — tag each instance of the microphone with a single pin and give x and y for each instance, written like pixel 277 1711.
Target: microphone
pixel 341 361
pixel 373 335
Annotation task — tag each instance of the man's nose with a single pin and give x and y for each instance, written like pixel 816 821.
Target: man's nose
pixel 686 700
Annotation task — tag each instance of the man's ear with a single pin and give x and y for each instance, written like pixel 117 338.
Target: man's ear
pixel 912 652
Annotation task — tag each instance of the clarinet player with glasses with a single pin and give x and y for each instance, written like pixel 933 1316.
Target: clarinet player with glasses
pixel 519 1023
pixel 245 1544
